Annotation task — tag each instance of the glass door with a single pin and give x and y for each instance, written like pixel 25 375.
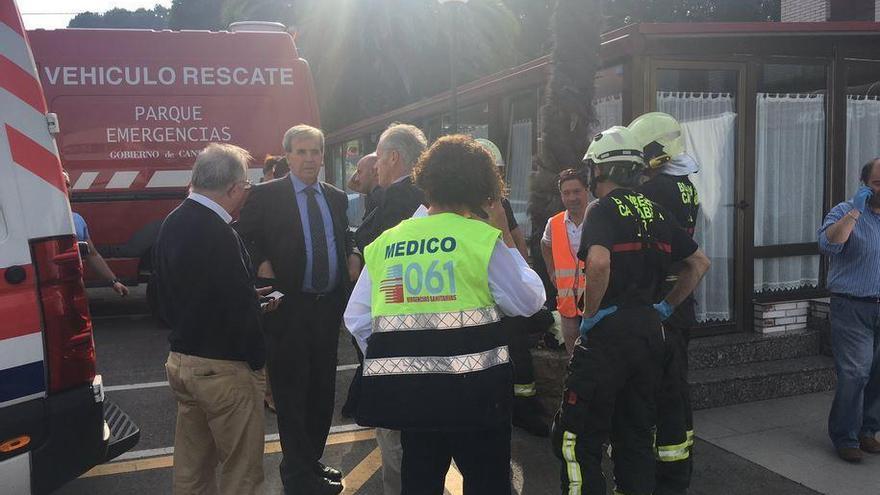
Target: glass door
pixel 706 98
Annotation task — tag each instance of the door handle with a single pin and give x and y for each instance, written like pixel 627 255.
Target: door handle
pixel 741 205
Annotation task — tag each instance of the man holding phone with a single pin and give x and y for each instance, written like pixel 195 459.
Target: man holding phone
pixel 850 237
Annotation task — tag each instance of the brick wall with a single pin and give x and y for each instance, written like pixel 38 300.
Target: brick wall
pixel 806 10
pixel 781 316
pixel 791 315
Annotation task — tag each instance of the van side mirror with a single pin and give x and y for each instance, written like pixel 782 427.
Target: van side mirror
pixel 84 249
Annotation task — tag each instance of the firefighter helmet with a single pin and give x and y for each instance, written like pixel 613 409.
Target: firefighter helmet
pixel 493 150
pixel 615 155
pixel 660 137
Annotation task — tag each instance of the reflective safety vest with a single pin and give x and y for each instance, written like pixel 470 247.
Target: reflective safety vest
pixel 437 358
pixel 568 269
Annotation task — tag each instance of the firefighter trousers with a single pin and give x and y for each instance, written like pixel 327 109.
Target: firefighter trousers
pixel 610 394
pixel 517 329
pixel 675 430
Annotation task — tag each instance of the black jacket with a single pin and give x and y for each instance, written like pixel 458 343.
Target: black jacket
pixel 397 203
pixel 203 287
pixel 271 228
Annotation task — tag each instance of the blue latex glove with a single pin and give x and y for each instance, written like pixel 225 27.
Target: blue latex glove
pixel 860 200
pixel 588 323
pixel 665 309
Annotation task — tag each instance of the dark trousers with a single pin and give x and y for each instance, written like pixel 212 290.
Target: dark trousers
pixel 517 329
pixel 301 339
pixel 675 422
pixel 482 457
pixel 610 392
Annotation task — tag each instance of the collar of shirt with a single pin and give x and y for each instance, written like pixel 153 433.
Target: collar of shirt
pixel 570 221
pixel 211 205
pixel 300 186
pixel 401 179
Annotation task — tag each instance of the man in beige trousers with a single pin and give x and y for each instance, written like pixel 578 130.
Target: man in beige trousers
pixel 203 289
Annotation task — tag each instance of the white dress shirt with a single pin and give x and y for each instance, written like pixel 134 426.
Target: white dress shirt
pixel 212 205
pixel 515 287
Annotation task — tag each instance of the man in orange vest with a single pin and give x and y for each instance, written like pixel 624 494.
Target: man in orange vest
pixel 559 247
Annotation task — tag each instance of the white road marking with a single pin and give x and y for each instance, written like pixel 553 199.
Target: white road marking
pixel 139 386
pixel 272 437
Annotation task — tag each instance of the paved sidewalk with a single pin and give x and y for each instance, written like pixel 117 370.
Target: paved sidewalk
pixel 789 436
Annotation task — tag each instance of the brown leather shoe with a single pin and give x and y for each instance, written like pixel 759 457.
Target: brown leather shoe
pixel 869 444
pixel 850 454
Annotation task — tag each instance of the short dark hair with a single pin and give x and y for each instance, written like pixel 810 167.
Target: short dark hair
pixel 867 168
pixel 571 174
pixel 458 171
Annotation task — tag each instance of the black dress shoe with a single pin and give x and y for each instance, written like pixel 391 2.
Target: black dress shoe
pixel 328 472
pixel 314 486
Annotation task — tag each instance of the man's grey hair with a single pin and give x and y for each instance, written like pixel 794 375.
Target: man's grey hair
pixel 219 166
pixel 301 131
pixel 407 139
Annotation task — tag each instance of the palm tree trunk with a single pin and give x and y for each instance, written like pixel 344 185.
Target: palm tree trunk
pixel 567 113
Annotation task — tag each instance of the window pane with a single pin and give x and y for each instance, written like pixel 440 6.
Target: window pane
pixel 474 120
pixel 352 153
pixel 789 273
pixel 522 130
pixel 704 101
pixel 608 100
pixel 789 153
pixel 862 120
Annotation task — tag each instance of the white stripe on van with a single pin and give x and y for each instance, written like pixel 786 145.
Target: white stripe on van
pixel 22 350
pixel 16 473
pixel 26 120
pixel 12 46
pixel 85 180
pixel 170 178
pixel 122 180
pixel 19 400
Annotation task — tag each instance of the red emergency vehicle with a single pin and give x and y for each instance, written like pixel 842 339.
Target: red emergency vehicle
pixel 136 106
pixel 54 421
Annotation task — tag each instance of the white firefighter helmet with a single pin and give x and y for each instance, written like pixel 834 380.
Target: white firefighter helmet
pixel 617 156
pixel 660 137
pixel 493 150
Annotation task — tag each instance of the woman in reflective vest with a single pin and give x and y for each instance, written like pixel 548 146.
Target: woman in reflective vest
pixel 426 312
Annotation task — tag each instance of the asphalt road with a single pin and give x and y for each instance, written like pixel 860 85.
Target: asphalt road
pixel 132 349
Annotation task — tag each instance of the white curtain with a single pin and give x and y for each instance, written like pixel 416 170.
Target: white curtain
pixel 519 172
pixel 709 124
pixel 790 163
pixel 609 111
pixel 862 136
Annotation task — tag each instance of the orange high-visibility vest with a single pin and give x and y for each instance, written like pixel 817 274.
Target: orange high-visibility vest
pixel 568 269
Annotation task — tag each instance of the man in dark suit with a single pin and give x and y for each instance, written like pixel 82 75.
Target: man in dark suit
pixel 298 225
pixel 203 288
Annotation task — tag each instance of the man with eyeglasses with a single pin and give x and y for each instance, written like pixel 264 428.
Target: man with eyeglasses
pixel 203 288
